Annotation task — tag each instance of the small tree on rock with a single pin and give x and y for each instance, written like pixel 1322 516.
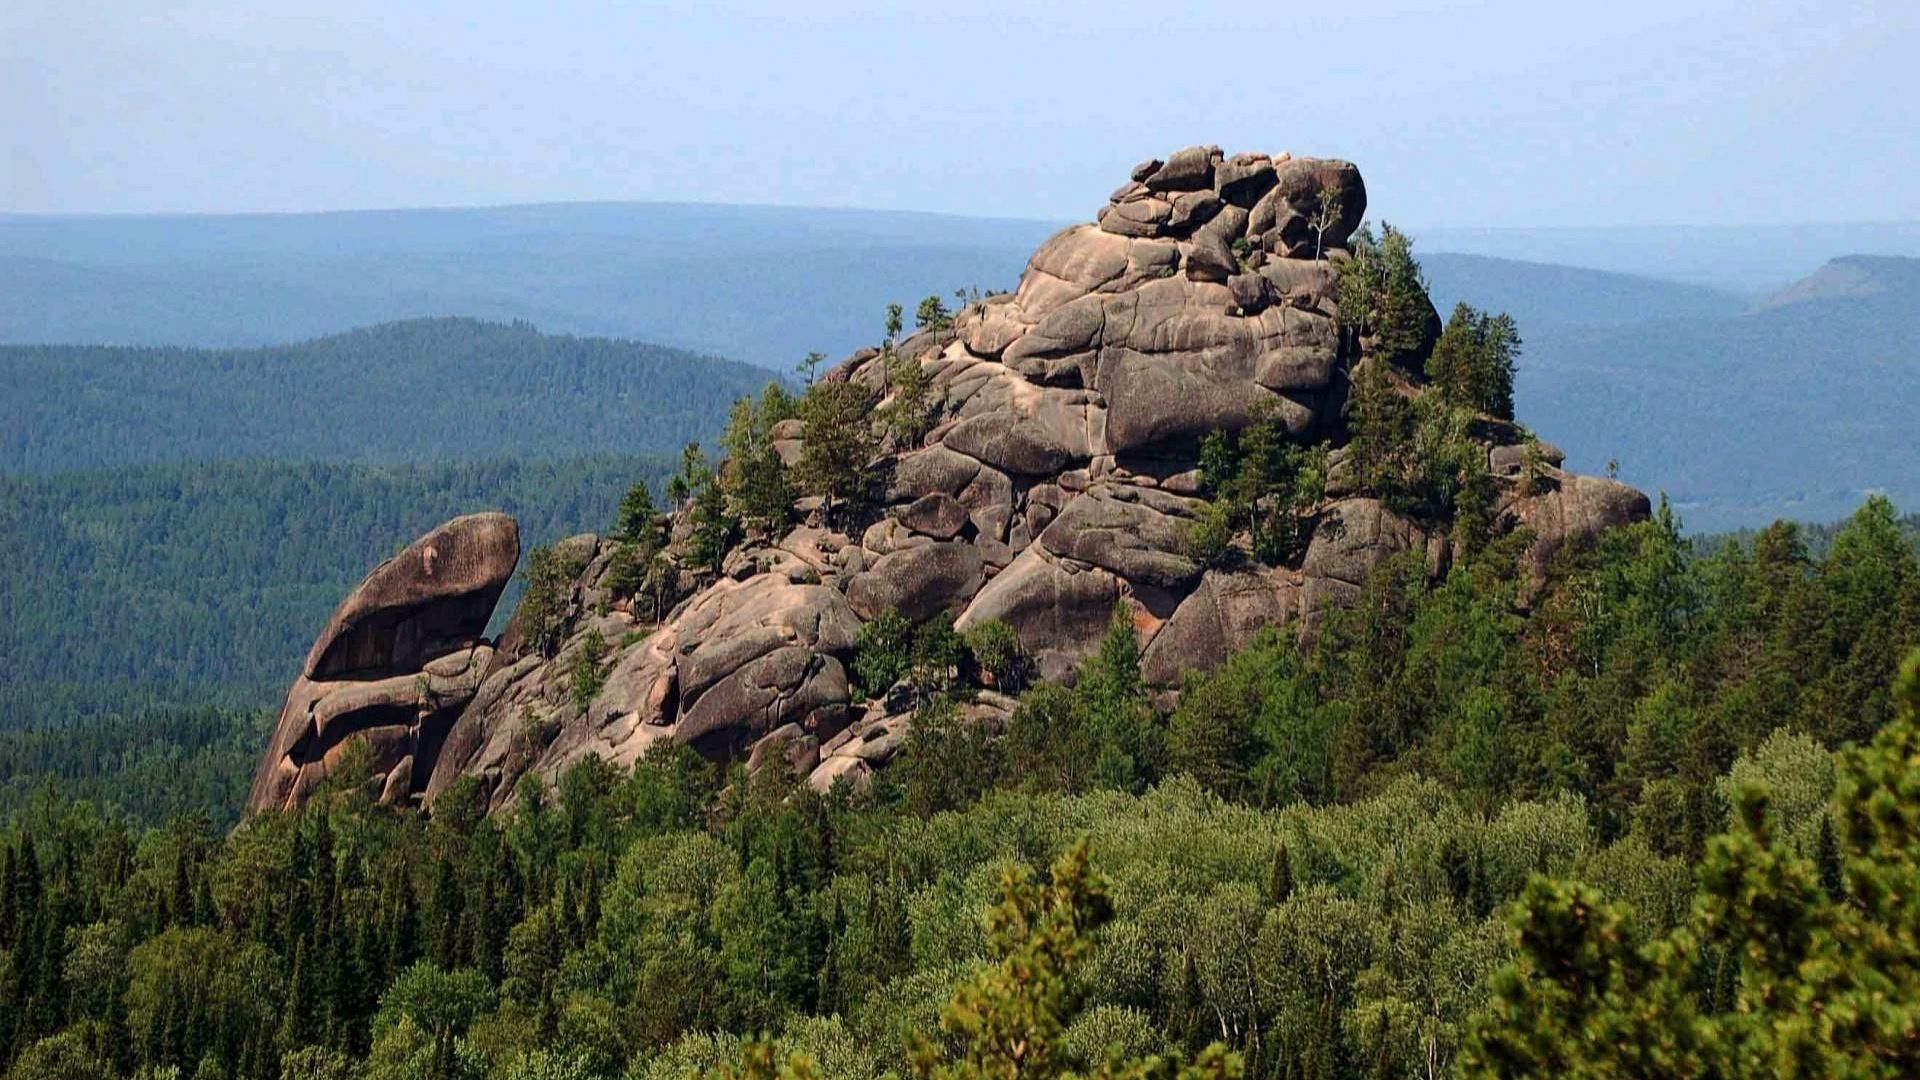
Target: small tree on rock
pixel 839 442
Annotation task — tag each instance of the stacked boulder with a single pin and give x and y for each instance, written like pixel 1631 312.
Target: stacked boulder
pixel 396 664
pixel 1059 480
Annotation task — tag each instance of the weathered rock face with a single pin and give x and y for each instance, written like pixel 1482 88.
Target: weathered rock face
pixel 397 662
pixel 1059 479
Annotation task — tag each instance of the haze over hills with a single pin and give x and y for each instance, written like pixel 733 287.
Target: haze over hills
pixel 424 390
pixel 761 284
pixel 1798 407
pixel 1748 259
pixel 764 284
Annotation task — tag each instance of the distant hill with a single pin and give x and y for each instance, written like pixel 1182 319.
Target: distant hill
pixel 1855 277
pixel 756 283
pixel 423 390
pixel 1796 408
pixel 171 583
pixel 1541 294
pixel 1624 358
pixel 1749 259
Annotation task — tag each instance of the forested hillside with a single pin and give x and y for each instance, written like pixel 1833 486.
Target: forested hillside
pixel 764 284
pixel 428 390
pixel 203 582
pixel 1310 865
pixel 1797 408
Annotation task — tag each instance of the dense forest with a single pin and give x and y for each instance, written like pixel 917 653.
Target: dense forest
pixel 206 583
pixel 427 390
pixel 1811 397
pixel 1346 859
pixel 1648 810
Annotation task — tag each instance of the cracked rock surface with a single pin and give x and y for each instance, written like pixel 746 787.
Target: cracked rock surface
pixel 1059 479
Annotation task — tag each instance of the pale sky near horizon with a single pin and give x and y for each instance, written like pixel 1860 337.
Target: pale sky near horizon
pixel 1531 113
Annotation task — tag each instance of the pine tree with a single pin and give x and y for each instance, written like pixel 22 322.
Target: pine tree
pixel 297 1017
pixel 1473 361
pixel 839 442
pixel 1280 875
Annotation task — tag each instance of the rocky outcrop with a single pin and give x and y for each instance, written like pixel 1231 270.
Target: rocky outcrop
pixel 1057 480
pixel 398 661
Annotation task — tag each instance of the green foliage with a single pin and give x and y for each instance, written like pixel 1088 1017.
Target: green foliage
pixel 999 656
pixel 889 649
pixel 839 444
pixel 1101 733
pixel 712 524
pixel 1260 482
pixel 939 652
pixel 1822 986
pixel 1328 209
pixel 908 413
pixel 1418 453
pixel 636 521
pixel 947 762
pixel 546 605
pixel 588 672
pixel 1382 297
pixel 1255 729
pixel 643 922
pixel 753 478
pixel 151 764
pixel 359 397
pixel 883 652
pixel 932 314
pixel 1472 363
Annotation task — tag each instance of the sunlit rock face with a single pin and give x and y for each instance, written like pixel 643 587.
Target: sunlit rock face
pixel 1058 482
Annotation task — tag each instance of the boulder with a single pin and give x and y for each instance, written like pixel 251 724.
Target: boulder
pixel 1287 215
pixel 1187 170
pixel 399 659
pixel 919 582
pixel 1140 543
pixel 1220 617
pixel 1353 536
pixel 1575 508
pixel 1060 612
pixel 936 514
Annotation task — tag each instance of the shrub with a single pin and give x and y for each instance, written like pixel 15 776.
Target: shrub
pixel 882 653
pixel 998 654
pixel 589 672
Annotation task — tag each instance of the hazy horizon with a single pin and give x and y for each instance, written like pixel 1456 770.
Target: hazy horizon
pixel 1724 113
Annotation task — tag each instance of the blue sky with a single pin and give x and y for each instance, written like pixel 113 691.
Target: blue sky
pixel 1523 114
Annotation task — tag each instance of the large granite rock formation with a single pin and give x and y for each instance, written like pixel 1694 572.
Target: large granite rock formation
pixel 398 661
pixel 1060 478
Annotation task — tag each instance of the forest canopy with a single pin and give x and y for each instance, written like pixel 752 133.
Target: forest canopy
pixel 1338 886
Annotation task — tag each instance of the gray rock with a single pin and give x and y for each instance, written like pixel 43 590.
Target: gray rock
pixel 1137 542
pixel 395 664
pixel 919 582
pixel 1138 218
pixel 1220 617
pixel 1243 178
pixel 936 514
pixel 1061 613
pixel 1193 209
pixel 1187 170
pixel 1352 537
